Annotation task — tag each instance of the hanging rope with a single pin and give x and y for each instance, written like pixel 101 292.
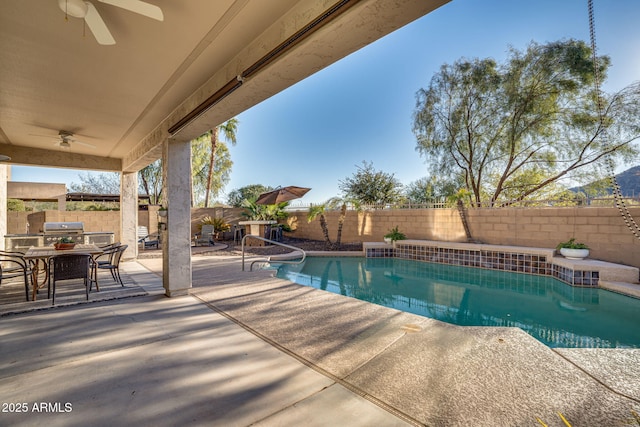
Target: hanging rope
pixel 617 193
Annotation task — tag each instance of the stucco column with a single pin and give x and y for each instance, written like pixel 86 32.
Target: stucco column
pixel 176 242
pixel 129 213
pixel 4 172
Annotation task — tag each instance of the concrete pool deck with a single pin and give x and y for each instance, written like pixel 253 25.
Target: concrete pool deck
pixel 246 348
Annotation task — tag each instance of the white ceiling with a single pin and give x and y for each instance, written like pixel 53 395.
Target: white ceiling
pixel 122 98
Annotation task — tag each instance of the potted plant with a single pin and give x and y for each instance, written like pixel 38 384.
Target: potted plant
pixel 162 211
pixel 572 249
pixel 65 243
pixel 393 235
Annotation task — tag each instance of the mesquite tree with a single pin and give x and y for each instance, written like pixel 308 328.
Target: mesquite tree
pixel 511 130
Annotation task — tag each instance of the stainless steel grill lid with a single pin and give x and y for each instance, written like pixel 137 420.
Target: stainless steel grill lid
pixel 63 228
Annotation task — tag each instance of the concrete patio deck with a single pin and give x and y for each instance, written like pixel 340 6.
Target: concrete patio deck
pixel 249 349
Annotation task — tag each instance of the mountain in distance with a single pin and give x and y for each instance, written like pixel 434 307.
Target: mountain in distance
pixel 629 182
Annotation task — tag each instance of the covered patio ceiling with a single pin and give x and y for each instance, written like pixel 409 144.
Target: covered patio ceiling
pixel 205 63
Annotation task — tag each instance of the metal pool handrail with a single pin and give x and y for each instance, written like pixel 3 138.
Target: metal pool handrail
pixel 304 254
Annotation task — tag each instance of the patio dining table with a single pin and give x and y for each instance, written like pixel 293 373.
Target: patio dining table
pixel 38 255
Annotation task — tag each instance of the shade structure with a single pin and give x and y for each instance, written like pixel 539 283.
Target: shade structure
pixel 280 195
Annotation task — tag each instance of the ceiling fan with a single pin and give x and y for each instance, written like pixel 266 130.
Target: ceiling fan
pixel 66 138
pixel 85 9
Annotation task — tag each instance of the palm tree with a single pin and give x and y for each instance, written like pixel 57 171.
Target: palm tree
pixel 229 129
pixel 254 211
pixel 318 211
pixel 211 162
pixel 331 204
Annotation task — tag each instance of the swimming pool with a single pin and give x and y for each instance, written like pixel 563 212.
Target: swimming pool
pixel 553 312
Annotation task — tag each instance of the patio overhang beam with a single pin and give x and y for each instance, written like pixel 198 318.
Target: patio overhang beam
pixel 218 96
pixel 320 21
pixel 31 156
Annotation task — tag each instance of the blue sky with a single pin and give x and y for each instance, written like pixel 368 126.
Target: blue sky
pixel 315 133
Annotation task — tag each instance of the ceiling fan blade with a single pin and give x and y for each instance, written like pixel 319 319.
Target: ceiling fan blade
pixel 139 7
pixel 43 136
pixel 86 144
pixel 97 26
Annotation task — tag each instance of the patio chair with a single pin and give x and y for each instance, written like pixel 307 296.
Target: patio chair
pixel 206 235
pixel 104 258
pixel 108 246
pixel 276 233
pixel 13 265
pixel 147 240
pixel 112 263
pixel 67 267
pixel 238 233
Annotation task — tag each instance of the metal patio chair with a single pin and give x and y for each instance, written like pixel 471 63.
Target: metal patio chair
pixel 13 265
pixel 104 258
pixel 238 233
pixel 112 264
pixel 67 267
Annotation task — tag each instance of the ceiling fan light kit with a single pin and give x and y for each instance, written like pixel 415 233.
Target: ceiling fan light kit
pixel 86 10
pixel 75 8
pixel 66 138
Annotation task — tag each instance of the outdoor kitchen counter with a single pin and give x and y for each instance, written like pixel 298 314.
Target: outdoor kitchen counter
pixel 22 242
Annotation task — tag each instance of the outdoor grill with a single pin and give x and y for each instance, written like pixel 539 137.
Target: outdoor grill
pixel 54 231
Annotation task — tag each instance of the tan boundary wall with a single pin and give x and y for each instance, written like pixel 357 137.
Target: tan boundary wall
pixel 371 226
pixel 603 229
pixel 231 216
pixel 109 221
pixel 105 221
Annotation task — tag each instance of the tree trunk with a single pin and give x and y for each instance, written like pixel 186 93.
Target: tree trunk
pixel 145 186
pixel 215 133
pixel 463 217
pixel 343 214
pixel 325 230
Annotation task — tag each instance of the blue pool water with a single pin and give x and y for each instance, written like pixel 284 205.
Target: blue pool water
pixel 553 312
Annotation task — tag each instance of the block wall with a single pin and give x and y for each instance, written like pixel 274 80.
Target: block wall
pixel 230 215
pixel 371 226
pixel 17 222
pixel 602 228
